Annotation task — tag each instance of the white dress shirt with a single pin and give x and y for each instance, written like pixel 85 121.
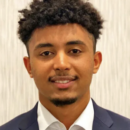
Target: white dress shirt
pixel 46 121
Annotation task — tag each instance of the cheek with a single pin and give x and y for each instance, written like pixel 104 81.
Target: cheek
pixel 40 66
pixel 40 70
pixel 85 67
pixel 85 75
pixel 40 75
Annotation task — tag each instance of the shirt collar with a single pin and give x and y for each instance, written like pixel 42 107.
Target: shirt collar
pixel 85 120
pixel 45 118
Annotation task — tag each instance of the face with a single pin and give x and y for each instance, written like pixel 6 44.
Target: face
pixel 62 62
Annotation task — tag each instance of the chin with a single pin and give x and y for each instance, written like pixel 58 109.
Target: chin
pixel 63 102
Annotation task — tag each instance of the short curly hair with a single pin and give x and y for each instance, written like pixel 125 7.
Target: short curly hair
pixel 43 13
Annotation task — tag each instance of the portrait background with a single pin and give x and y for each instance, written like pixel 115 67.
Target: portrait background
pixel 110 87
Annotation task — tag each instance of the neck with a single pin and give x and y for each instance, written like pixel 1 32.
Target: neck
pixel 69 113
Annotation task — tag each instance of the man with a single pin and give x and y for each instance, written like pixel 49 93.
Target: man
pixel 60 37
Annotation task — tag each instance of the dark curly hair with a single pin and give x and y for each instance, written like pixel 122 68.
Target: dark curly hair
pixel 43 13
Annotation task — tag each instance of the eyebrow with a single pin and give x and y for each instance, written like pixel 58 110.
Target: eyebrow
pixel 77 42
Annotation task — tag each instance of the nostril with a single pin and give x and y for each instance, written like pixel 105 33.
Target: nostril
pixel 57 69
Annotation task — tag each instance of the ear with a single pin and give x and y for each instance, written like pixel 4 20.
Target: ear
pixel 97 61
pixel 28 66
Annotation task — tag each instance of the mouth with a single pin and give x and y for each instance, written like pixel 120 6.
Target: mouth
pixel 63 82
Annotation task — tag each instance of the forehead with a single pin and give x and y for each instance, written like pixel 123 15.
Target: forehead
pixel 60 34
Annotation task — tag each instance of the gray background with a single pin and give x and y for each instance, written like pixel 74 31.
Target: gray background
pixel 110 87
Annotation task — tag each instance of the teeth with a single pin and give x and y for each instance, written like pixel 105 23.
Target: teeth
pixel 62 82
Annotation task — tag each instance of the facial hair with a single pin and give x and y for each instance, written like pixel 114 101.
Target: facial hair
pixel 62 103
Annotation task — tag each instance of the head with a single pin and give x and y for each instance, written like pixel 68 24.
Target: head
pixel 60 37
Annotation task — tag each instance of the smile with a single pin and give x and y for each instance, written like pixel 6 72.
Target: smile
pixel 63 85
pixel 62 81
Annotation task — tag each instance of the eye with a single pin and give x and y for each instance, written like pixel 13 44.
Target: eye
pixel 46 53
pixel 75 51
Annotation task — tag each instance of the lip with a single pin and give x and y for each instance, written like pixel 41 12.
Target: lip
pixel 54 78
pixel 64 85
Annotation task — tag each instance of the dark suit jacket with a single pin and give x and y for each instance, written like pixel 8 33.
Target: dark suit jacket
pixel 103 120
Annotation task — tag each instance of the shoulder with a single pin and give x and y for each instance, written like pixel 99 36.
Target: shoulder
pixel 21 120
pixel 13 124
pixel 119 120
pixel 108 119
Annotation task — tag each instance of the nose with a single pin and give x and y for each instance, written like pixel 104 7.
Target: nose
pixel 61 62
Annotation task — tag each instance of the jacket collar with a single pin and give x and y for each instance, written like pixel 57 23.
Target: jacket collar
pixel 102 120
pixel 29 121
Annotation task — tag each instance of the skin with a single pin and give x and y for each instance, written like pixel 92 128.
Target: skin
pixel 61 61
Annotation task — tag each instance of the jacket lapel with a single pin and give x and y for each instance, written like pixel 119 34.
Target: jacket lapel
pixel 102 120
pixel 29 122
